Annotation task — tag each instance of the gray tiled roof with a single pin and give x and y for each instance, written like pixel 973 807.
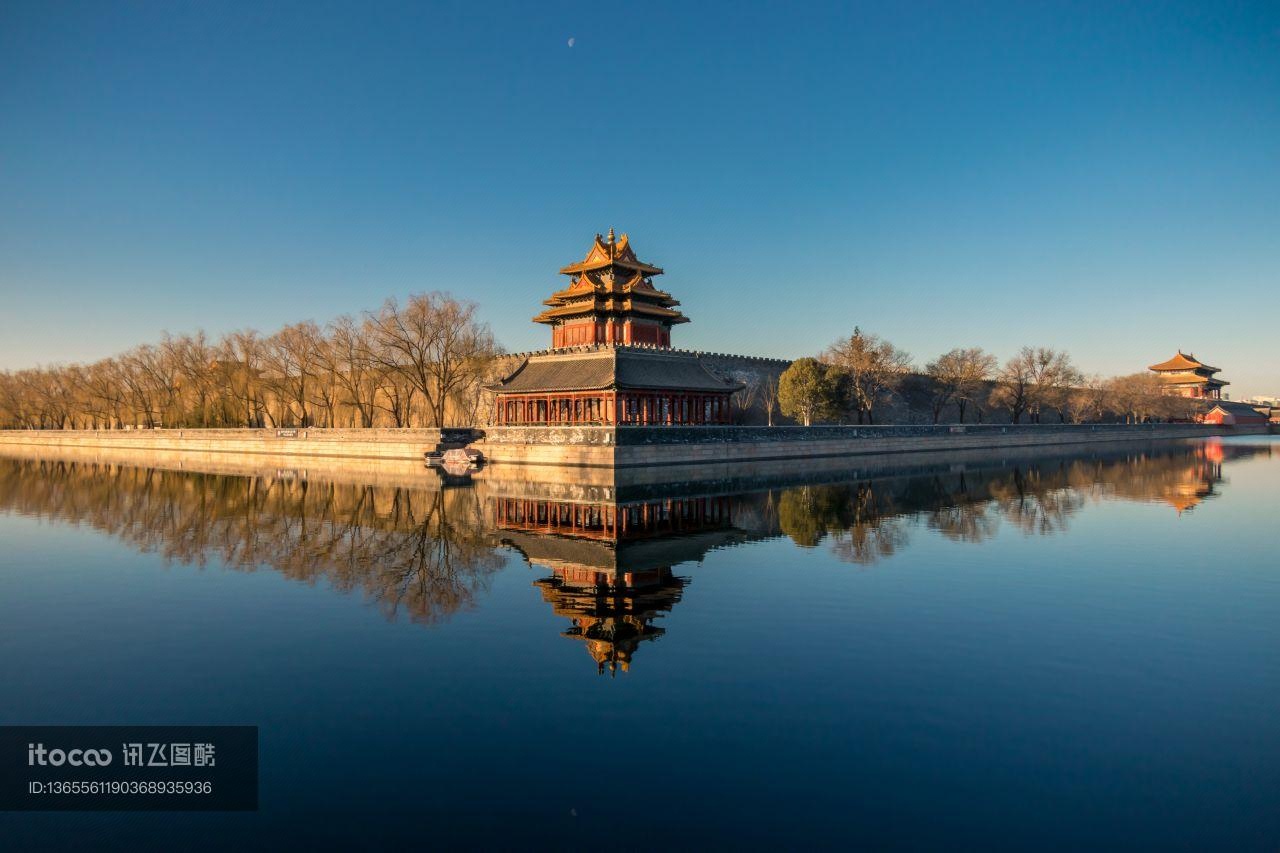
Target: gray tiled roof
pixel 1233 407
pixel 615 367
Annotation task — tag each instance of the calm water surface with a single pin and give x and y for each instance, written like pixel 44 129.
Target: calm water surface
pixel 1062 652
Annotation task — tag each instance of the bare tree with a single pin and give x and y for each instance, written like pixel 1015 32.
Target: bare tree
pixel 957 377
pixel 1138 397
pixel 435 341
pixel 745 398
pixel 291 360
pixel 195 361
pixel 1034 379
pixel 1088 402
pixel 874 368
pixel 161 376
pixel 348 360
pixel 242 355
pixel 769 397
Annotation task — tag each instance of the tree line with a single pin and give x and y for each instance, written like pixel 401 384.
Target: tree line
pixel 420 363
pixel 857 378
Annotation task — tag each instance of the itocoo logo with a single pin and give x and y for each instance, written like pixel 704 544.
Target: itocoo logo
pixel 38 755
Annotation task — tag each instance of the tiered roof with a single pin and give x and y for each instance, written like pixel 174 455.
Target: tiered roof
pixel 611 280
pixel 1185 369
pixel 1198 379
pixel 605 367
pixel 1182 362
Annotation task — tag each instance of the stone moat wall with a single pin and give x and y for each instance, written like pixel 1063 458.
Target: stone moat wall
pixel 394 444
pixel 610 446
pixel 643 446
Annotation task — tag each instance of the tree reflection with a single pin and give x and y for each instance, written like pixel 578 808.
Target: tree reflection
pixel 426 553
pixel 418 552
pixel 867 521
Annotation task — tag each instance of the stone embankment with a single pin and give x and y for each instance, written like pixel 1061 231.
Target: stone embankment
pixel 608 447
pixel 397 444
pixel 644 446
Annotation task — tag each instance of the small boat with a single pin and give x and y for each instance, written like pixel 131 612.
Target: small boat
pixel 459 456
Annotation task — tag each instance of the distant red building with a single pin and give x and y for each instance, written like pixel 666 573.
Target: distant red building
pixel 1227 413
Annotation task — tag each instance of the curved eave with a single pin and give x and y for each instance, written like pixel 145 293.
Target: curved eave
pixel 552 389
pixel 610 307
pixel 1197 380
pixel 584 266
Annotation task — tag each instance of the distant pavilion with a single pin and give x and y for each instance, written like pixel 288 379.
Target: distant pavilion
pixel 610 360
pixel 1186 376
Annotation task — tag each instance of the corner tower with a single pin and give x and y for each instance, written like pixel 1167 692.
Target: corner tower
pixel 610 299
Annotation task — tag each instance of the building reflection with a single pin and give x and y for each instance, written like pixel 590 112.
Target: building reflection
pixel 610 565
pixel 609 553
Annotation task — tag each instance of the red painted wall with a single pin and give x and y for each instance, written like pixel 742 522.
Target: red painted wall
pixel 586 332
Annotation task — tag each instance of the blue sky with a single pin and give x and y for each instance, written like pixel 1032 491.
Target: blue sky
pixel 1103 178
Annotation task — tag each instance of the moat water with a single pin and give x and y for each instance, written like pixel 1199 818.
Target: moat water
pixel 1063 651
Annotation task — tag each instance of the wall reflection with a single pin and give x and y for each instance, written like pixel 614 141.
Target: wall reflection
pixel 608 564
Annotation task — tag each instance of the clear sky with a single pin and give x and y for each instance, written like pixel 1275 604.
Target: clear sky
pixel 1103 177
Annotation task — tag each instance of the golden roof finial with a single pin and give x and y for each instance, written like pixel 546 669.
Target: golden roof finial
pixel 611 238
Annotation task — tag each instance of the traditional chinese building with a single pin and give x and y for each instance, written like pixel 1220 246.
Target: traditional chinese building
pixel 1228 413
pixel 1185 376
pixel 610 299
pixel 610 360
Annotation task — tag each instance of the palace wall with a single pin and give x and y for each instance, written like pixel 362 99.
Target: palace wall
pixel 589 446
pixel 391 444
pixel 753 372
pixel 645 446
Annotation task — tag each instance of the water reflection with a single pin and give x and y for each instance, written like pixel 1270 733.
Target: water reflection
pixel 607 562
pixel 611 564
pixel 422 553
